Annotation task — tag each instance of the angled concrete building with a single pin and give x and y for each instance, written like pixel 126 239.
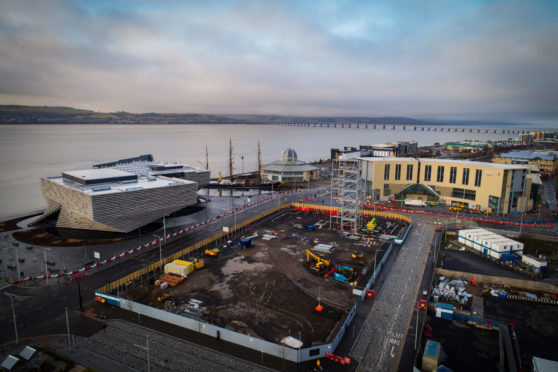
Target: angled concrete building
pixel 110 199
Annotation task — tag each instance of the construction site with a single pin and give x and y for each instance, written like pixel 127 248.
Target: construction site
pixel 287 282
pixel 291 275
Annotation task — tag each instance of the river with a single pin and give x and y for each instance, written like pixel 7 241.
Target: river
pixel 29 152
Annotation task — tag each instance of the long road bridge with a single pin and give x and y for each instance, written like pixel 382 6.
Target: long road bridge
pixel 409 127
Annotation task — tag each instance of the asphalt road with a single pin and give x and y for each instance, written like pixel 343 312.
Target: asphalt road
pixel 380 342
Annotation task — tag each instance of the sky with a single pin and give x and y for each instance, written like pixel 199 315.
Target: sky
pixel 466 60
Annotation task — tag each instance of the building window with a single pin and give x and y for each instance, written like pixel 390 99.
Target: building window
pixel 397 172
pixel 465 176
pixel 409 172
pixel 386 189
pixel 478 177
pixel 440 175
pixel 386 172
pixel 453 174
pixel 464 194
pixel 427 172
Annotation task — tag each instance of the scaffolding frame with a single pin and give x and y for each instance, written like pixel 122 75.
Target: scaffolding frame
pixel 347 194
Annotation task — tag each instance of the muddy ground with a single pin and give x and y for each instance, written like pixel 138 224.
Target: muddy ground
pixel 464 347
pixel 535 325
pixel 268 291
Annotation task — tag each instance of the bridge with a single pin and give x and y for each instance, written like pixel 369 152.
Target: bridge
pixel 409 127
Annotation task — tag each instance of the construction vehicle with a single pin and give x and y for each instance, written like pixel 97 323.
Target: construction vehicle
pixel 164 297
pixel 357 255
pixel 371 225
pixel 212 252
pixel 343 273
pixel 316 263
pixel 198 264
pixel 245 243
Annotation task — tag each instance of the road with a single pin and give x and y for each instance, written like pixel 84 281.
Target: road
pixel 380 342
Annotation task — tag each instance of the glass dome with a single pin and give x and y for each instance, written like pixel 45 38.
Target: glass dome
pixel 289 156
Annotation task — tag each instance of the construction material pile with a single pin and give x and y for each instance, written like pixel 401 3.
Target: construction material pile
pixel 451 290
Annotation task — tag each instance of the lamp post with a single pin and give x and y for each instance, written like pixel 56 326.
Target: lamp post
pixel 146 348
pixel 160 251
pixel 17 264
pixel 11 296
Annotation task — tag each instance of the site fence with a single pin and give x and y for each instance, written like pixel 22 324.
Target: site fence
pixel 202 245
pixel 257 344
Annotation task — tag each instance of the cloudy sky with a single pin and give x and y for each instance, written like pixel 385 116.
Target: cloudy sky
pixel 493 60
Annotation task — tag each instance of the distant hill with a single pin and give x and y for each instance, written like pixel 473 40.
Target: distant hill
pixel 14 114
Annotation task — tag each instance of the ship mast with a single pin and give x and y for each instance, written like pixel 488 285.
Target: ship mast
pixel 259 163
pixel 206 164
pixel 230 159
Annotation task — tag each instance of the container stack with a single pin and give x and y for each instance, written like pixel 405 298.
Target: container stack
pixel 489 243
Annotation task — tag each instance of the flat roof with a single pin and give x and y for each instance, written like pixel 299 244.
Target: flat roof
pixel 455 161
pixel 142 183
pixel 98 174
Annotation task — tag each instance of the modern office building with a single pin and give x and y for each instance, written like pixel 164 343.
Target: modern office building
pixel 498 188
pixel 113 200
pixel 289 168
pixel 547 161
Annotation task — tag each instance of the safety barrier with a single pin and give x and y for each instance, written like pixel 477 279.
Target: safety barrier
pixel 153 242
pixel 185 252
pixel 280 351
pixel 502 221
pixel 531 299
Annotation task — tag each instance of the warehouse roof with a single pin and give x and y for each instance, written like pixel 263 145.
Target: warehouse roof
pixel 529 155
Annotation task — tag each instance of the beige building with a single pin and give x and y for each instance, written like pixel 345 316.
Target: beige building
pixel 497 188
pixel 547 161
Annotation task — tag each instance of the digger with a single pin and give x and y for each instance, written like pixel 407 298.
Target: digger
pixel 212 252
pixel 317 264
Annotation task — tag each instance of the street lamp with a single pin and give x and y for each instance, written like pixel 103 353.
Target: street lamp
pixel 46 263
pixel 160 252
pixel 11 296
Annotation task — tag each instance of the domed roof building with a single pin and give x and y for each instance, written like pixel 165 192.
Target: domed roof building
pixel 289 168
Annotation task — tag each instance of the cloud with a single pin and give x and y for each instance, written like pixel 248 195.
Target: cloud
pixel 442 59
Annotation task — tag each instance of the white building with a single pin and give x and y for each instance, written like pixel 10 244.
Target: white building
pixel 489 243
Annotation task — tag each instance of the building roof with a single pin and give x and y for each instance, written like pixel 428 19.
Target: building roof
pixel 141 183
pixel 278 167
pixel 455 161
pixel 530 155
pixel 89 176
pixel 289 155
pixel 289 163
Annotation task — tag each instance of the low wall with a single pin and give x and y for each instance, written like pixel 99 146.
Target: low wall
pixel 531 285
pixel 280 351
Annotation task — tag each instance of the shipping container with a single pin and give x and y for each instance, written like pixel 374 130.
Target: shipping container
pixel 188 264
pixel 539 263
pixel 173 268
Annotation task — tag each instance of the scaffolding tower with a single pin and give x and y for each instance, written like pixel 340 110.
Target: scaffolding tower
pixel 346 194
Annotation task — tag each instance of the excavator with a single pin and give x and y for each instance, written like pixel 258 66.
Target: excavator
pixel 212 252
pixel 316 263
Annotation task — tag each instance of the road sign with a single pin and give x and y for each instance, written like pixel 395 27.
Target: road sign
pixel 422 304
pixel 97 255
pixel 225 228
